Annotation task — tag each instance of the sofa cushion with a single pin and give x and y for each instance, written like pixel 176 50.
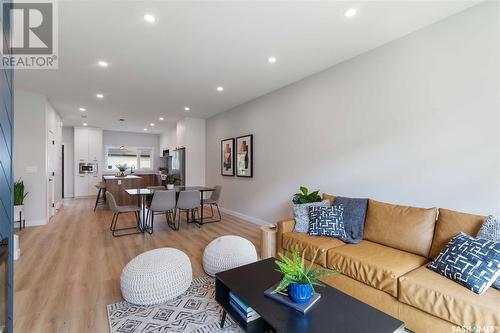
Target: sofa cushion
pixel 449 224
pixel 472 262
pixel 354 218
pixel 310 244
pixel 402 227
pixel 376 265
pixel 328 197
pixel 491 230
pixel 327 221
pixel 301 214
pixel 445 299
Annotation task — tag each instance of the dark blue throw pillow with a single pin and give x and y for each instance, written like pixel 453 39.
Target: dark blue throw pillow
pixel 326 221
pixel 354 218
pixel 471 262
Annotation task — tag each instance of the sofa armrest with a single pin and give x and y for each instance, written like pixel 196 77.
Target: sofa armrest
pixel 282 227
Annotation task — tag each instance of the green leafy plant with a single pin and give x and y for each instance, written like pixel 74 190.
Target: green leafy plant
pixel 295 270
pixel 305 197
pixel 171 179
pixel 19 193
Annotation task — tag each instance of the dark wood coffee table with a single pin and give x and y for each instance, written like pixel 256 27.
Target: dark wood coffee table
pixel 335 312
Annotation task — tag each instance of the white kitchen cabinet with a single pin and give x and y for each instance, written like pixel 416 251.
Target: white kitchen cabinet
pixel 81 185
pixel 88 149
pixel 81 149
pixel 95 146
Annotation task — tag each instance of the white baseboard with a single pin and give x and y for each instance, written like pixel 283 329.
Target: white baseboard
pixel 243 216
pixel 34 223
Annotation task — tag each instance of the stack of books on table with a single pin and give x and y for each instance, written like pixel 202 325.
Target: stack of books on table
pixel 247 313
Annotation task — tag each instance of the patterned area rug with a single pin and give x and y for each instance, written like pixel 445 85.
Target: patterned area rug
pixel 195 311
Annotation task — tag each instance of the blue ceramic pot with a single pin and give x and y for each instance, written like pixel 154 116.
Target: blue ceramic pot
pixel 300 292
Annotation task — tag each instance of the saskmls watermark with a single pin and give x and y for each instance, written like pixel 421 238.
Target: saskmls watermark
pixel 30 41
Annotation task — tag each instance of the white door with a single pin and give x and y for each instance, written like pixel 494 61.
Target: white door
pixel 51 169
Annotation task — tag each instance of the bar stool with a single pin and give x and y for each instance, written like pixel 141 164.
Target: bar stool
pixel 101 195
pixel 188 201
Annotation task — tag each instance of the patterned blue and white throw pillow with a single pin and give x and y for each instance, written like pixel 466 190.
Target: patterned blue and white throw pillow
pixel 327 221
pixel 472 262
pixel 491 230
pixel 301 214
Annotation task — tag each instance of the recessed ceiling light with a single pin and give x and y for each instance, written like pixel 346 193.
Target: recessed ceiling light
pixel 187 108
pixel 99 96
pixel 350 12
pixel 145 130
pixel 152 124
pixel 83 109
pixel 103 63
pixel 220 89
pixel 85 124
pixel 271 60
pixel 161 118
pixel 149 18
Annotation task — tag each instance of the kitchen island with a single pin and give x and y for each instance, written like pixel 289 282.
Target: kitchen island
pixel 117 186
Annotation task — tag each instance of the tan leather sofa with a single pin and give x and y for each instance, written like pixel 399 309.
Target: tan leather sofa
pixel 387 269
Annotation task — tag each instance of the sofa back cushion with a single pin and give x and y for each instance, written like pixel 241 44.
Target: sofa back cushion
pixel 401 227
pixel 328 197
pixel 449 224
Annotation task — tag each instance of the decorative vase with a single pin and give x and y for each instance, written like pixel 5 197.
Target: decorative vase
pixel 300 292
pixel 17 210
pixel 170 186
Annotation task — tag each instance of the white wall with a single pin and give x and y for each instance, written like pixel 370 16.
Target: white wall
pixel 413 122
pixel 116 138
pixel 68 140
pixel 191 134
pixel 34 117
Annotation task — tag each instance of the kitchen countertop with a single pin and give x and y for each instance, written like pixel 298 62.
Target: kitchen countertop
pixel 126 177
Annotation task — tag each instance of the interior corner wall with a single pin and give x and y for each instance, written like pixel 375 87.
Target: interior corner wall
pixel 191 134
pixel 30 153
pixel 414 122
pixel 68 140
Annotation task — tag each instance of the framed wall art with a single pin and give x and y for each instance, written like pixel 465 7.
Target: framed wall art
pixel 244 156
pixel 227 157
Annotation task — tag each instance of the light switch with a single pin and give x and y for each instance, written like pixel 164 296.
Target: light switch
pixel 31 169
pixel 119 182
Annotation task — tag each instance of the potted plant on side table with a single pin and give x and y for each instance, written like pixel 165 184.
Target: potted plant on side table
pixel 298 278
pixel 19 196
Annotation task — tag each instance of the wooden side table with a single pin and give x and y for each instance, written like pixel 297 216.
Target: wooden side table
pixel 267 242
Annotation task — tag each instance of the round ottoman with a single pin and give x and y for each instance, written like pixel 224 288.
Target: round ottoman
pixel 228 252
pixel 156 276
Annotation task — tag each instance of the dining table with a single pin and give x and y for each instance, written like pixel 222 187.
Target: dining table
pixel 143 193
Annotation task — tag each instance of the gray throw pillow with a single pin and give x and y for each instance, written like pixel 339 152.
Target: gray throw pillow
pixel 490 230
pixel 301 214
pixel 354 218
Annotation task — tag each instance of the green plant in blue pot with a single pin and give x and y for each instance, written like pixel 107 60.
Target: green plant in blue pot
pixel 299 278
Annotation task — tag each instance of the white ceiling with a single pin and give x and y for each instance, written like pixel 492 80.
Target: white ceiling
pixel 193 47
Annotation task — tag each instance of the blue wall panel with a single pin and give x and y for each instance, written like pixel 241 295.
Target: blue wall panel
pixel 6 128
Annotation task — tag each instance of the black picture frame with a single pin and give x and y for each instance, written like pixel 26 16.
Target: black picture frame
pixel 249 168
pixel 231 172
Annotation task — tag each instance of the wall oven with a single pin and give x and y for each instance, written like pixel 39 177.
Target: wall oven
pixel 88 168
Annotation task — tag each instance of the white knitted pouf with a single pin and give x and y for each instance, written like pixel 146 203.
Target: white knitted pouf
pixel 156 276
pixel 228 252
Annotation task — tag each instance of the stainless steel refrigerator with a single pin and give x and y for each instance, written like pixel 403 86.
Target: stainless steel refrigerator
pixel 177 164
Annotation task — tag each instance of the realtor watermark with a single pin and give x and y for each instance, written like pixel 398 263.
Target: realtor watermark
pixel 30 40
pixel 474 329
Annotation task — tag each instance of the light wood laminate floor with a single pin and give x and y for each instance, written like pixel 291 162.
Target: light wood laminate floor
pixel 69 270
